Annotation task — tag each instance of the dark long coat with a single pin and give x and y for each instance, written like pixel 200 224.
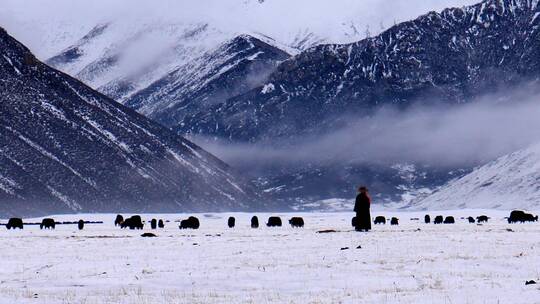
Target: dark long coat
pixel 363 215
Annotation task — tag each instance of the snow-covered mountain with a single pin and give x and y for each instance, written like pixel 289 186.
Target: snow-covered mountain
pixel 66 148
pixel 123 47
pixel 119 60
pixel 448 57
pixel 510 182
pixel 234 67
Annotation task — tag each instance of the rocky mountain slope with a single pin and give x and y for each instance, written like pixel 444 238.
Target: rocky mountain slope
pixel 446 57
pixel 510 182
pixel 66 148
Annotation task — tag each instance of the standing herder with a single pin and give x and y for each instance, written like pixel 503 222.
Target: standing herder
pixel 361 207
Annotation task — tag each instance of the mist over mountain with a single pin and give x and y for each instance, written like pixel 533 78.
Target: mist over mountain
pixel 67 148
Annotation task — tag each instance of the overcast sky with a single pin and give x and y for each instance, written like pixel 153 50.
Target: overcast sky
pixel 45 25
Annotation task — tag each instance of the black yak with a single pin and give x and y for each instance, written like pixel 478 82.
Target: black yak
pixel 254 222
pixel 15 223
pixel 47 223
pixel 471 219
pixel 449 220
pixel 521 216
pixel 134 222
pixel 427 219
pixel 153 224
pixel 438 219
pixel 231 222
pixel 296 222
pixel 394 221
pixel 80 224
pixel 379 220
pixel 274 221
pixel 191 223
pixel 161 224
pixel 119 220
pixel 482 219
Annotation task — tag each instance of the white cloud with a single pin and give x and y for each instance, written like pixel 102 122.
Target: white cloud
pixel 48 25
pixel 464 135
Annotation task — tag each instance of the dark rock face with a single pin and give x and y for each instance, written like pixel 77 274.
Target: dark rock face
pixel 237 66
pixel 64 147
pixel 445 57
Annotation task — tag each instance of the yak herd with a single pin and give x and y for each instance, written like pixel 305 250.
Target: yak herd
pixel 136 222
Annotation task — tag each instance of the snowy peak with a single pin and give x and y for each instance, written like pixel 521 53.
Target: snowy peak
pixel 119 59
pixel 510 182
pixel 69 56
pixel 234 67
pixel 64 147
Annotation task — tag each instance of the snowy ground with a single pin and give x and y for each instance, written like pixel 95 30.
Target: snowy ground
pixel 409 263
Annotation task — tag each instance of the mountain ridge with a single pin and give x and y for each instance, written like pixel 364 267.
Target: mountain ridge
pixel 67 148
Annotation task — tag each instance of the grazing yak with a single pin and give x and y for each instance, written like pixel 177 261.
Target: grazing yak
pixel 231 222
pixel 274 221
pixel 15 223
pixel 471 219
pixel 354 221
pixel 161 224
pixel 153 224
pixel 427 219
pixel 80 224
pixel 521 216
pixel 449 220
pixel 296 222
pixel 47 223
pixel 482 219
pixel 394 221
pixel 379 220
pixel 134 222
pixel 119 220
pixel 254 222
pixel 438 219
pixel 191 223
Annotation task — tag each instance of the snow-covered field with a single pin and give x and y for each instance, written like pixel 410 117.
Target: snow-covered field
pixel 409 263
